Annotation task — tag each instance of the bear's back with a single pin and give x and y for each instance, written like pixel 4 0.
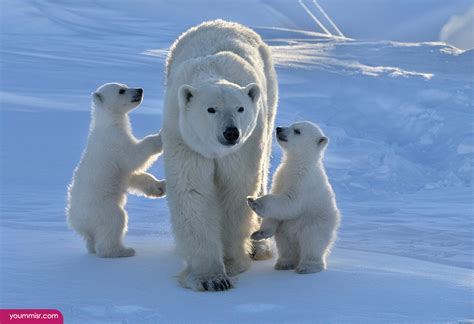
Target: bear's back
pixel 213 37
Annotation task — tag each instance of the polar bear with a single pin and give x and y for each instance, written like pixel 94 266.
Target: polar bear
pixel 113 162
pixel 220 104
pixel 301 211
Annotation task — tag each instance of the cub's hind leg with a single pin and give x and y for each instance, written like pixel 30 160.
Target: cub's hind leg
pixel 109 235
pixel 288 247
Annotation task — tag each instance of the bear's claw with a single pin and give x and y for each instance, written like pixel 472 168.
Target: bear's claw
pixel 220 284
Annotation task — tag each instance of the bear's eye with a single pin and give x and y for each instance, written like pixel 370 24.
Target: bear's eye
pixel 122 91
pixel 241 109
pixel 211 110
pixel 297 131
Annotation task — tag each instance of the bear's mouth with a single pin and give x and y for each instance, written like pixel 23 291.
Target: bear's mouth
pixel 227 142
pixel 282 138
pixel 137 97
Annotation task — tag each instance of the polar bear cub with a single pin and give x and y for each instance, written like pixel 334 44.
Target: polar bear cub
pixel 113 162
pixel 301 211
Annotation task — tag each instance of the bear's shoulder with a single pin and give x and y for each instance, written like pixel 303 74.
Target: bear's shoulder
pixel 210 37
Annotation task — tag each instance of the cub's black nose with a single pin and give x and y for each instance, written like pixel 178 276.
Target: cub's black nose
pixel 279 129
pixel 231 134
pixel 140 91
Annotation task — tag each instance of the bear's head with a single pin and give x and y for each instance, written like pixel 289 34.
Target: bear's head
pixel 117 98
pixel 302 139
pixel 217 118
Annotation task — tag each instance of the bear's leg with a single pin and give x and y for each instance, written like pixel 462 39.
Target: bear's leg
pixel 198 239
pixel 197 227
pixel 109 235
pixel 315 244
pixel 196 218
pixel 288 248
pixel 237 226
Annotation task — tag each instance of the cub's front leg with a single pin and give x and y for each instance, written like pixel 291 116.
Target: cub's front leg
pixel 280 207
pixel 143 150
pixel 146 184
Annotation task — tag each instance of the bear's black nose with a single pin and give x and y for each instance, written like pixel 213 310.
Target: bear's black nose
pixel 279 129
pixel 231 134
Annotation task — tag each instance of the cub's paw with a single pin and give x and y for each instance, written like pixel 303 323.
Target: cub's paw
pixel 157 190
pixel 261 250
pixel 310 267
pixel 256 205
pixel 285 265
pixel 261 235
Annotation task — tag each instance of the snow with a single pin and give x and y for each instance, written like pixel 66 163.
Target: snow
pixel 399 116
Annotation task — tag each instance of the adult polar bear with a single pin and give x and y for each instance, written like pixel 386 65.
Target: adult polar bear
pixel 220 105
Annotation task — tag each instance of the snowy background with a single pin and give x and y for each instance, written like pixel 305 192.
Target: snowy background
pixel 395 100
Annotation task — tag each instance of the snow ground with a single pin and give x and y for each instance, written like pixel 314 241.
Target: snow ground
pixel 400 120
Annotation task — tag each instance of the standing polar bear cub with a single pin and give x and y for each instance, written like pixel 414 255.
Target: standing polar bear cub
pixel 301 211
pixel 113 162
pixel 220 104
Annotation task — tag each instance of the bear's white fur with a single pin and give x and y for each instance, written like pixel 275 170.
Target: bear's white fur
pixel 301 211
pixel 113 162
pixel 219 113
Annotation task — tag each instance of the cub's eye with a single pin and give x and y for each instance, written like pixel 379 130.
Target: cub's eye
pixel 211 110
pixel 122 91
pixel 297 131
pixel 241 109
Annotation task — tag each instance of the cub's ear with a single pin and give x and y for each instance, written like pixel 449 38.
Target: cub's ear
pixel 323 141
pixel 253 91
pixel 97 98
pixel 186 93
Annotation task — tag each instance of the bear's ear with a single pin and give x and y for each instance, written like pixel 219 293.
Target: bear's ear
pixel 323 141
pixel 253 91
pixel 97 98
pixel 185 95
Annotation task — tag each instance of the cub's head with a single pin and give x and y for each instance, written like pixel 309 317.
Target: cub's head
pixel 117 98
pixel 302 139
pixel 216 119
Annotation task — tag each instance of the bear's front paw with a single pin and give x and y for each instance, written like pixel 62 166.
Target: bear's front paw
pixel 285 265
pixel 310 267
pixel 216 282
pixel 220 283
pixel 157 190
pixel 261 235
pixel 256 205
